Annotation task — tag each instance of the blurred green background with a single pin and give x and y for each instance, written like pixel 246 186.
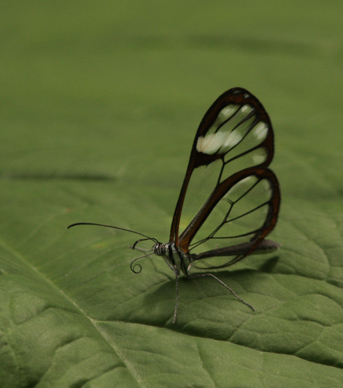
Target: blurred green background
pixel 100 102
pixel 106 88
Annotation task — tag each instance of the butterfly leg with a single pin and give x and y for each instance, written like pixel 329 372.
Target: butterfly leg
pixel 177 297
pixel 198 275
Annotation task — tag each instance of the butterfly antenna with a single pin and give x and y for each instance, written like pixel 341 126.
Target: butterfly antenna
pixel 113 227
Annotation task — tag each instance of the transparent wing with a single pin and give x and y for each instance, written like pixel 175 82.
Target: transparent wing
pixel 235 135
pixel 235 219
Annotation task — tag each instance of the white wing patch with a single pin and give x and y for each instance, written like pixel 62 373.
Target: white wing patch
pixel 259 156
pixel 211 143
pixel 227 112
pixel 231 126
pixel 260 131
pixel 221 141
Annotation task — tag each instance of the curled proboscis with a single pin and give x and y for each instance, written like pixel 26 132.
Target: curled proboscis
pixel 135 267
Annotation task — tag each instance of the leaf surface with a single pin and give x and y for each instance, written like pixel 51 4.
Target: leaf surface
pixel 100 107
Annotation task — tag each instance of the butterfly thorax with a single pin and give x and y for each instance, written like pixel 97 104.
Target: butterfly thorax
pixel 176 259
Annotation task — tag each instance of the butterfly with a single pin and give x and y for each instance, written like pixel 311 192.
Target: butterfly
pixel 229 200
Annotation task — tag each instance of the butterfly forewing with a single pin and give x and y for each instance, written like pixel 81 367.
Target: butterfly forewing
pixel 227 172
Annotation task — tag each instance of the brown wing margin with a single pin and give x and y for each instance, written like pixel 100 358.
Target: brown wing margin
pixel 237 96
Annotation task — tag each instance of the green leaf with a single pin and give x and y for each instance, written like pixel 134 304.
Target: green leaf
pixel 100 106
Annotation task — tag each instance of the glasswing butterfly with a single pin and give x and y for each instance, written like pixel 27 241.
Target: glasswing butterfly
pixel 235 207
